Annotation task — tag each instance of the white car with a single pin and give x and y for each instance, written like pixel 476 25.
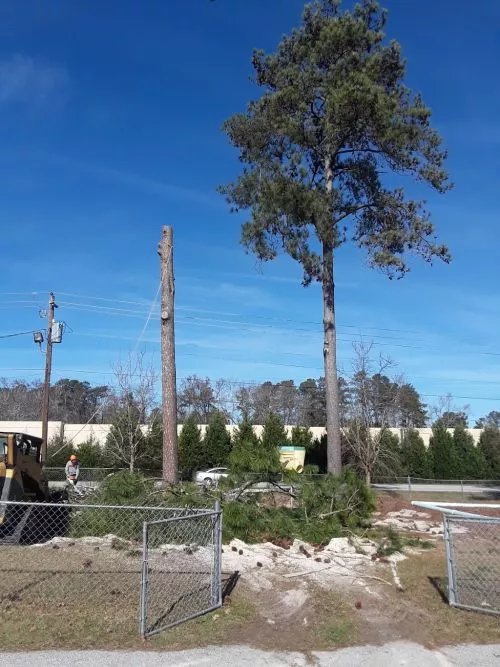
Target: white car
pixel 210 476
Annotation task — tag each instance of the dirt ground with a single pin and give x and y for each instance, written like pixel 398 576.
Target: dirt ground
pixel 291 597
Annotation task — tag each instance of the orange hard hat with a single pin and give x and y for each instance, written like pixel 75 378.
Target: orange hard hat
pixel 72 457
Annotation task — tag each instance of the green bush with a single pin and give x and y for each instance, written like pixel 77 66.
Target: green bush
pixel 90 454
pixel 316 455
pixel 302 437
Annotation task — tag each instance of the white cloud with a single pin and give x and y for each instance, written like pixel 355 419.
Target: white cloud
pixel 26 80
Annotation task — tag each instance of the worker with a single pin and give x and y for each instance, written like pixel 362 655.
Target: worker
pixel 72 471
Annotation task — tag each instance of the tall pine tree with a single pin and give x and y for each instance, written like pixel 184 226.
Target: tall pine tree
pixel 334 117
pixel 470 460
pixel 217 441
pixel 445 462
pixel 249 454
pixel 191 454
pixel 388 463
pixel 415 457
pixel 274 433
pixel 489 447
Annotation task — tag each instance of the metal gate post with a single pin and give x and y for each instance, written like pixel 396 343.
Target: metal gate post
pixel 217 559
pixel 452 585
pixel 144 582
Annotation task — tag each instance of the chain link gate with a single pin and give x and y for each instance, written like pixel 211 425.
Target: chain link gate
pixel 472 544
pixel 181 570
pixel 473 560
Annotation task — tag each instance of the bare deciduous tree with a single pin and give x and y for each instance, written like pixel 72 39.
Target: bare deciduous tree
pixel 136 413
pixel 20 400
pixel 364 448
pixel 450 414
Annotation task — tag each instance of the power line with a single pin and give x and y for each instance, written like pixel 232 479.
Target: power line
pixel 226 324
pixel 150 314
pixel 145 303
pixel 110 396
pixel 140 313
pixel 18 293
pixel 249 326
pixel 13 335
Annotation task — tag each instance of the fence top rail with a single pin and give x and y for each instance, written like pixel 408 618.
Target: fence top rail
pixel 432 480
pixel 193 510
pixel 172 519
pixel 448 508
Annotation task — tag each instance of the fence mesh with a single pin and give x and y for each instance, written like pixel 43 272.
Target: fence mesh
pixel 78 568
pixel 181 577
pixel 473 551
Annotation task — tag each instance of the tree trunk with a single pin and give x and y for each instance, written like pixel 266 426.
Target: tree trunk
pixel 131 462
pixel 368 478
pixel 330 357
pixel 334 453
pixel 168 369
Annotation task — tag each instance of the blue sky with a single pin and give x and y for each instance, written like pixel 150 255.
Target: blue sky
pixel 110 117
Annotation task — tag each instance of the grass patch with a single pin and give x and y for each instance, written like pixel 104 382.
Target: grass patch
pixel 425 581
pixel 335 622
pixel 212 629
pixel 338 632
pixel 391 541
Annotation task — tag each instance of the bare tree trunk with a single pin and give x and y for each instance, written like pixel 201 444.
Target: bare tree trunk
pixel 334 451
pixel 168 370
pixel 368 478
pixel 330 358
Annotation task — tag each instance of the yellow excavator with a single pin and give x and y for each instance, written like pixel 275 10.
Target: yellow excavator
pixel 21 479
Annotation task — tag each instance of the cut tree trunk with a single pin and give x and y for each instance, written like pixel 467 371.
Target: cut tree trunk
pixel 330 359
pixel 168 369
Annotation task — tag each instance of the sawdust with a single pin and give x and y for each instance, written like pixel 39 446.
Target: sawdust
pixel 410 521
pixel 343 561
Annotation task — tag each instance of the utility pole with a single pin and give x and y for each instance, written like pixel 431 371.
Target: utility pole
pixel 46 382
pixel 168 370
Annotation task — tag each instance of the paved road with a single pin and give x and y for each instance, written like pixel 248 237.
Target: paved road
pixel 397 654
pixel 440 488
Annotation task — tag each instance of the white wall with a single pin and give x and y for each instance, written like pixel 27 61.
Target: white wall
pixel 78 433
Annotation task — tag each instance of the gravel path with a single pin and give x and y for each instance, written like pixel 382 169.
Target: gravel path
pixel 397 654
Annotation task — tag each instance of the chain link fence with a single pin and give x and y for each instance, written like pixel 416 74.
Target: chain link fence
pixel 82 568
pixel 181 570
pixel 473 560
